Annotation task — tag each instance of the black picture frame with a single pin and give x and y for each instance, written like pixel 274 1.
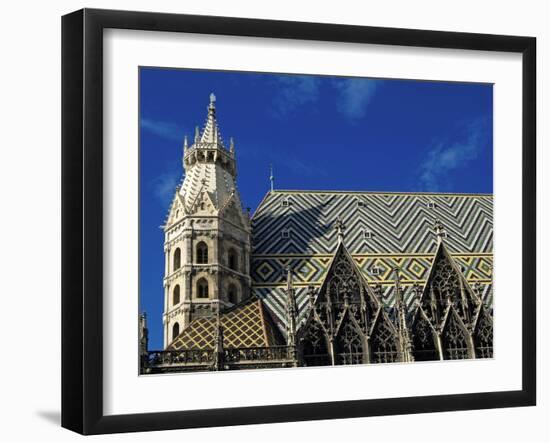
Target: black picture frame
pixel 82 218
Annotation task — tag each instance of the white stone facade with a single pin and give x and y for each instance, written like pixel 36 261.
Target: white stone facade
pixel 206 234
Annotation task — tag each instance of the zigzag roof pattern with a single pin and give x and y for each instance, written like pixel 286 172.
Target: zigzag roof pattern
pixel 398 223
pixel 401 227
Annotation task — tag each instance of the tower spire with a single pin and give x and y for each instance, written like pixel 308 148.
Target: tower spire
pixel 271 177
pixel 211 133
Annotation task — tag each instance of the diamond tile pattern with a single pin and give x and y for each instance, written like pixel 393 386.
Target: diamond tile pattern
pixel 244 326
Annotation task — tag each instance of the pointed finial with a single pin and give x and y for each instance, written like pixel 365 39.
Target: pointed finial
pixel 439 229
pixel 340 227
pixel 212 105
pixel 271 177
pixel 311 292
pixel 231 145
pixel 184 143
pixel 398 289
pixel 197 134
pixel 288 277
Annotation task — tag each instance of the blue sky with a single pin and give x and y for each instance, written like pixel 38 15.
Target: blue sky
pixel 318 132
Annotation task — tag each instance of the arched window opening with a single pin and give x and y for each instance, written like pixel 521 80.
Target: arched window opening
pixel 176 295
pixel 349 345
pixel 202 288
pixel 455 342
pixel 202 253
pixel 384 344
pixel 483 336
pixel 315 349
pixel 232 259
pixel 423 341
pixel 175 330
pixel 232 294
pixel 177 259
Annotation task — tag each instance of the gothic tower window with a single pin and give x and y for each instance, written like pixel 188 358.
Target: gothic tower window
pixel 176 295
pixel 202 288
pixel 232 294
pixel 232 259
pixel 177 259
pixel 175 330
pixel 202 253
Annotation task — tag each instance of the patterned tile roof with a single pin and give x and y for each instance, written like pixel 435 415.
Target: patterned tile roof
pixel 398 223
pixel 246 325
pixel 383 231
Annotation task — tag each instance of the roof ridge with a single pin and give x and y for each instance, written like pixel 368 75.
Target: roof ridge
pixel 328 191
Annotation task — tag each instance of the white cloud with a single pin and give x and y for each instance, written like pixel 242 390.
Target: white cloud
pixel 295 91
pixel 164 187
pixel 354 96
pixel 444 157
pixel 163 129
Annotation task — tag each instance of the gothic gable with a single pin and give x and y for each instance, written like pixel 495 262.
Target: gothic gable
pixel 231 211
pixel 345 312
pixel 446 285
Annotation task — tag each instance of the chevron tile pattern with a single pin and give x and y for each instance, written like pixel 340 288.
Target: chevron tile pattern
pixel 383 231
pixel 398 223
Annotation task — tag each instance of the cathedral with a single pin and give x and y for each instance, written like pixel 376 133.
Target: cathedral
pixel 317 278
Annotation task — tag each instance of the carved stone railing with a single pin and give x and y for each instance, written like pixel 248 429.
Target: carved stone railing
pixel 230 358
pixel 258 354
pixel 181 357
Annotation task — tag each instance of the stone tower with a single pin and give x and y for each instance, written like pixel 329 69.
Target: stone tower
pixel 206 234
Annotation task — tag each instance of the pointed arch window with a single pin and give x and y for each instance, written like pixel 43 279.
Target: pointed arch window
pixel 423 340
pixel 232 294
pixel 314 348
pixel 202 253
pixel 483 336
pixel 232 259
pixel 349 345
pixel 202 288
pixel 455 341
pixel 384 343
pixel 175 330
pixel 176 295
pixel 177 259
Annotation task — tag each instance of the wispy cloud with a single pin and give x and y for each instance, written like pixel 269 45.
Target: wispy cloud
pixel 354 96
pixel 164 186
pixel 163 129
pixel 294 92
pixel 303 169
pixel 444 157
